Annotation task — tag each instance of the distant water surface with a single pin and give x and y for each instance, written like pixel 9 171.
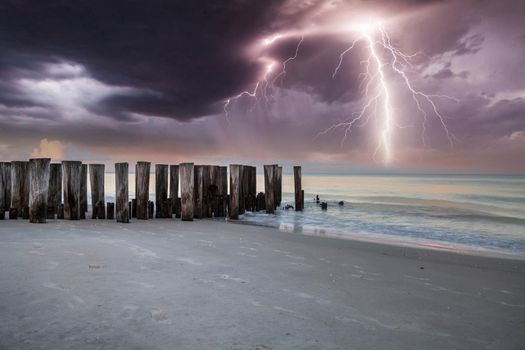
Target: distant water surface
pixel 457 212
pixel 449 211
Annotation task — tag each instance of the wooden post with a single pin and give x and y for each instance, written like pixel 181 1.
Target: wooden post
pixel 54 198
pixel 186 187
pixel 142 171
pixel 198 191
pixel 5 186
pixel 60 214
pixel 235 191
pixel 161 190
pixel 278 185
pixel 222 190
pixel 83 191
pixel 111 211
pixel 38 189
pixel 133 206
pixel 19 186
pixel 151 209
pixel 71 186
pixel 174 189
pixel 98 200
pixel 121 192
pixel 246 187
pixel 269 187
pixel 298 188
pixel 205 184
pixel 213 191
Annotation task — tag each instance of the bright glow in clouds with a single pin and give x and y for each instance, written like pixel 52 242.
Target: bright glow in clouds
pixel 383 61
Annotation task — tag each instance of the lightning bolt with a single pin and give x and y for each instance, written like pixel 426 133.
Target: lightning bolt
pixel 383 61
pixel 376 78
pixel 263 85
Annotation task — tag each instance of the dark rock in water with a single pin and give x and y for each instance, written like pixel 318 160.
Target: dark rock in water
pixel 324 205
pixel 288 206
pixel 13 213
pixel 317 199
pixel 260 202
pixel 25 212
pixel 341 203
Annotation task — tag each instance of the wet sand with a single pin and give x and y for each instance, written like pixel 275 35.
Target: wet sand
pixel 167 284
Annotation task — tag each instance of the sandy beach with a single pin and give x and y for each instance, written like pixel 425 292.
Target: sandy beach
pixel 167 284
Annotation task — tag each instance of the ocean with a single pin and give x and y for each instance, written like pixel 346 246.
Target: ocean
pixel 457 212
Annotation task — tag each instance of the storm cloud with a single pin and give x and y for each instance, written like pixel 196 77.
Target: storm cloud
pixel 133 78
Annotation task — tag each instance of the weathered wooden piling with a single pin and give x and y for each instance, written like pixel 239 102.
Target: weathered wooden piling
pixel 54 198
pixel 222 191
pixel 298 188
pixel 98 200
pixel 5 186
pixel 142 170
pixel 242 198
pixel 38 189
pixel 198 184
pixel 133 207
pixel 235 191
pixel 19 186
pixel 60 213
pixel 110 215
pixel 278 185
pixel 269 187
pixel 151 209
pixel 187 181
pixel 245 183
pixel 205 185
pixel 213 190
pixel 253 187
pixel 83 190
pixel 161 191
pixel 123 205
pixel 174 189
pixel 71 178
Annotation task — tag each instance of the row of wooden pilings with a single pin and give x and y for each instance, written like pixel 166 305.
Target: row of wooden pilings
pixel 38 190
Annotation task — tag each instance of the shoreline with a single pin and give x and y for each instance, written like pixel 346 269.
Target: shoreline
pixel 399 241
pixel 211 284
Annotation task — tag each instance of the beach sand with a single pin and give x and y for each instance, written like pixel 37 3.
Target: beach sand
pixel 167 284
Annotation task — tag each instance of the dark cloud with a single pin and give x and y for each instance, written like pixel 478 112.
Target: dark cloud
pixel 188 53
pixel 125 74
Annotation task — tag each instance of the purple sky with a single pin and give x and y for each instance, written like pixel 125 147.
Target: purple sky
pixel 103 81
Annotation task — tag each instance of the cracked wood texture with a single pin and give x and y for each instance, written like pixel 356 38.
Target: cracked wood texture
pixel 19 186
pixel 71 176
pixel 186 186
pixel 142 173
pixel 5 186
pixel 38 189
pixel 121 192
pixel 98 200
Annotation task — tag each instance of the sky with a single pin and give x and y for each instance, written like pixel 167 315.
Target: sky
pixel 108 81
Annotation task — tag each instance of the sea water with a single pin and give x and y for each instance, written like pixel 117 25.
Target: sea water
pixel 447 211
